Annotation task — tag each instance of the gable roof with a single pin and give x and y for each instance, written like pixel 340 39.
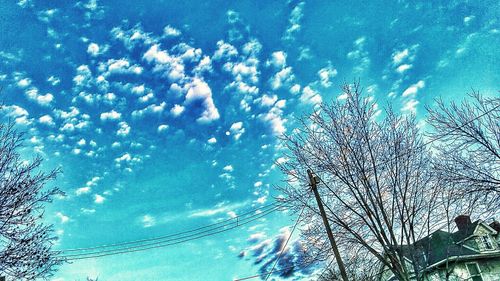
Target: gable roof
pixel 441 245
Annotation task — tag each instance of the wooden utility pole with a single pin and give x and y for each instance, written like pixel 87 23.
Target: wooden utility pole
pixel 314 181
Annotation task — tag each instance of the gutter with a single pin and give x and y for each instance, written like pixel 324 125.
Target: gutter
pixel 453 258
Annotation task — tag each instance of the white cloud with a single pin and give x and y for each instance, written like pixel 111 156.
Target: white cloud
pixel 402 59
pixel 18 113
pixel 151 109
pixel 46 120
pixel 87 211
pixel 42 100
pixel 124 129
pixel 410 105
pixel 228 168
pixel 146 98
pixel 155 54
pixel 310 96
pixel 283 77
pixel 220 208
pixel 82 190
pixel 268 100
pixel 190 54
pixel 212 140
pixel 280 104
pixel 295 89
pixel 242 88
pixel 326 74
pixel 23 83
pixel 252 48
pixel 121 66
pixel 62 217
pixel 413 89
pixel 262 199
pixel 274 120
pixel 148 221
pixel 111 115
pixel 399 56
pixel 93 49
pixel 170 31
pixel 224 51
pixel 124 158
pixel 67 114
pixel 138 90
pixel 404 67
pixel 99 199
pixel 360 56
pixel 45 99
pixel 237 130
pixel 170 66
pixel 294 22
pixel 245 71
pixel 54 81
pixel 83 75
pixel 67 127
pixel 132 37
pixel 162 128
pixel 278 59
pixel 200 91
pixel 205 65
pixel 467 20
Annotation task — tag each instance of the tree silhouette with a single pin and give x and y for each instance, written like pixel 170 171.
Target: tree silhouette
pixel 469 145
pixel 25 242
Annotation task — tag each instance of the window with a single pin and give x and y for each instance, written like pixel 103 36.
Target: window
pixel 474 272
pixel 487 244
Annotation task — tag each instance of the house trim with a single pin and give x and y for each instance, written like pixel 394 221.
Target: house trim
pixel 464 258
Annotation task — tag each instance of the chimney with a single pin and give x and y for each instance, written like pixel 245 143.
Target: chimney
pixel 463 221
pixel 495 225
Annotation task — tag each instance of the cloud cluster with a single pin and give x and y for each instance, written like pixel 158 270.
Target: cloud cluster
pixel 265 251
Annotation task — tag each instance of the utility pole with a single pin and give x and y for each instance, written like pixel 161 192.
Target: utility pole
pixel 314 181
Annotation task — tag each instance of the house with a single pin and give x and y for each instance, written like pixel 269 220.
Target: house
pixel 471 253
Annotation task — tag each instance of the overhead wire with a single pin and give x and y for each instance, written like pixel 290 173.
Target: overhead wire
pixel 225 222
pixel 169 242
pixel 159 244
pixel 287 240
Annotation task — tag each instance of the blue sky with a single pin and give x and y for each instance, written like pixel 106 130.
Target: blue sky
pixel 164 115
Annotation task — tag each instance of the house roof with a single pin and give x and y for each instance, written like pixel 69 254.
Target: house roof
pixel 440 245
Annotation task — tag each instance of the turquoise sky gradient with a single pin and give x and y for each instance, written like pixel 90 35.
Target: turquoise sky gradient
pixel 164 116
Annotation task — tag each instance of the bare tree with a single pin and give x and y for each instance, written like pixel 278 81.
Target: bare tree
pixel 377 183
pixel 359 267
pixel 25 242
pixel 468 144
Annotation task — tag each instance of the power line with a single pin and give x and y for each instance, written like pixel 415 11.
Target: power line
pixel 235 224
pixel 163 243
pixel 287 240
pixel 225 222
